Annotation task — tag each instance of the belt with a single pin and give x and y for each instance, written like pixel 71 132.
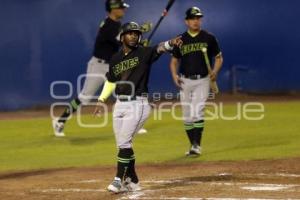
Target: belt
pixel 124 98
pixel 193 77
pixel 102 61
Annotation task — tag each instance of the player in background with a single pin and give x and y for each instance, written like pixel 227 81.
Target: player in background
pixel 106 45
pixel 193 77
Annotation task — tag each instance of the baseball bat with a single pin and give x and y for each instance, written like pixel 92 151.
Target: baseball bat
pixel 213 84
pixel 164 13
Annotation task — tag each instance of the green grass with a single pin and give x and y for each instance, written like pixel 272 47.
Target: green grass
pixel 29 144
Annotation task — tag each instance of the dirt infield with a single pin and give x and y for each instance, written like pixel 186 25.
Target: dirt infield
pixel 277 179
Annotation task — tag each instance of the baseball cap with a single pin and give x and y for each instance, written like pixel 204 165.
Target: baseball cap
pixel 115 4
pixel 193 12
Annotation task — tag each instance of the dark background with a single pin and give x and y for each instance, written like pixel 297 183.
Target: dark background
pixel 46 40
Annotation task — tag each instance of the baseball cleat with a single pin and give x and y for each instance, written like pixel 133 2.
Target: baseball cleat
pixel 131 186
pixel 194 151
pixel 142 131
pixel 116 187
pixel 58 128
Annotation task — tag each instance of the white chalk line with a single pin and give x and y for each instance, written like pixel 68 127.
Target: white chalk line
pixel 90 181
pixel 135 195
pixel 221 174
pixel 265 188
pixel 245 186
pixel 221 183
pixel 281 175
pixel 139 195
pixel 242 185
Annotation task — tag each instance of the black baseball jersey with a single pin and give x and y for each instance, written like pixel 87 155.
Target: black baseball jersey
pixel 134 68
pixel 106 43
pixel 192 61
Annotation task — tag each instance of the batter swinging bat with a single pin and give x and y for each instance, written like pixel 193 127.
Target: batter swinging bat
pixel 213 84
pixel 165 13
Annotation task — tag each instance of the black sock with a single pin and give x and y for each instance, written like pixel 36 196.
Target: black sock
pixel 189 131
pixel 69 110
pixel 198 130
pixel 131 172
pixel 124 158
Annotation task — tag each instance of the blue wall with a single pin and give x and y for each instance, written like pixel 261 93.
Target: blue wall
pixel 42 41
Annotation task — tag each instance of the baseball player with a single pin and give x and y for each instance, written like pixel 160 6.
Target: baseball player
pixel 106 45
pixel 193 78
pixel 128 76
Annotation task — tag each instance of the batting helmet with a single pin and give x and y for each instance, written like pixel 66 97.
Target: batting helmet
pixel 130 26
pixel 115 4
pixel 193 12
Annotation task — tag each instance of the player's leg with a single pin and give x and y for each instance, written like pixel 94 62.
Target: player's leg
pixel 200 96
pixel 127 119
pixel 118 115
pixel 95 77
pixel 141 129
pixel 142 112
pixel 121 115
pixel 186 104
pixel 145 114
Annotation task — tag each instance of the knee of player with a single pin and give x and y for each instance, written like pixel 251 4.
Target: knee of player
pixel 85 100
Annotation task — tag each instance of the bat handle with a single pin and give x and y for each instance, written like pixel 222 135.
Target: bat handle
pixel 214 87
pixel 213 84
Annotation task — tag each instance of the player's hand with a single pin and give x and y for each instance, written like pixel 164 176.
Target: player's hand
pixel 98 112
pixel 176 42
pixel 213 75
pixel 178 81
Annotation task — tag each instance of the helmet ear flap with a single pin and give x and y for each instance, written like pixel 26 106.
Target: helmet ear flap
pixel 119 37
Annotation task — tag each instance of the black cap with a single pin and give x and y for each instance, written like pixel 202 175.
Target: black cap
pixel 130 26
pixel 193 12
pixel 115 4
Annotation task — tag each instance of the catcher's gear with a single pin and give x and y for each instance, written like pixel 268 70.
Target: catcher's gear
pixel 145 43
pixel 193 12
pixel 146 27
pixel 115 4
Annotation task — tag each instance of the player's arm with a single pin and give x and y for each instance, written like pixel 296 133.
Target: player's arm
pixel 108 89
pixel 163 47
pixel 217 67
pixel 216 54
pixel 174 63
pixel 169 45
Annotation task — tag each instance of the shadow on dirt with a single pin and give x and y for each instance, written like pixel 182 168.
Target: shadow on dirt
pixel 18 175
